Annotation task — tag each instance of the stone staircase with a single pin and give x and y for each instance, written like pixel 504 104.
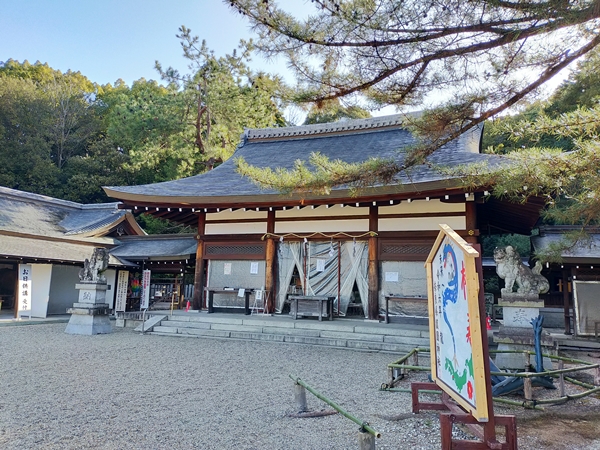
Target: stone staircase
pixel 357 334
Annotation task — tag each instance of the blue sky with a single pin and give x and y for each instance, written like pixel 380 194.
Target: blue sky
pixel 110 39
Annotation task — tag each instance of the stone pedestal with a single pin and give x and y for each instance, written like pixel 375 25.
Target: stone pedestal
pixel 90 314
pixel 516 332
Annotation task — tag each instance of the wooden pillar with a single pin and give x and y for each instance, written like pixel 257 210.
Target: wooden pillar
pixel 17 293
pixel 199 271
pixel 471 222
pixel 565 292
pixel 373 271
pixel 270 264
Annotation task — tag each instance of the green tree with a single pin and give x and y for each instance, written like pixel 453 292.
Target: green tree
pixel 580 91
pixel 25 149
pixel 221 96
pixel 476 58
pixel 70 106
pixel 333 111
pixel 146 123
pixel 52 136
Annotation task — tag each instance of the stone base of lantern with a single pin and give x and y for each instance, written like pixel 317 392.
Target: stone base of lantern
pixel 90 314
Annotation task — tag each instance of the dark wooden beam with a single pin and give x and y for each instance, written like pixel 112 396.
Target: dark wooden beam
pixel 199 270
pixel 373 269
pixel 270 264
pixel 471 222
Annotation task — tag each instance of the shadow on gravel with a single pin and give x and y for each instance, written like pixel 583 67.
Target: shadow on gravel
pixel 558 431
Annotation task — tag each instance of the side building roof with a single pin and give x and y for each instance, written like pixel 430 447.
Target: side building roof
pixel 585 251
pixel 37 227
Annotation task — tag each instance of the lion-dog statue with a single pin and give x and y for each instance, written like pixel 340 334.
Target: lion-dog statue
pixel 511 269
pixel 94 267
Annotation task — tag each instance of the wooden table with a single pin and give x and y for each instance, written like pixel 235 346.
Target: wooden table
pixel 212 292
pixel 304 306
pixel 396 298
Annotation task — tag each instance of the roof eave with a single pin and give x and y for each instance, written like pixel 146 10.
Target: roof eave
pixel 398 190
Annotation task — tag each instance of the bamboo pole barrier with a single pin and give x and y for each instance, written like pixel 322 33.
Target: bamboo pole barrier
pixel 580 383
pixel 364 425
pixel 409 354
pixel 568 397
pixel 524 404
pixel 551 373
pixel 547 355
pixel 407 366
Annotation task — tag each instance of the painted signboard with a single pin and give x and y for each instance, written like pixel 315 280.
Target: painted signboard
pixel 121 294
pixel 456 337
pixel 145 297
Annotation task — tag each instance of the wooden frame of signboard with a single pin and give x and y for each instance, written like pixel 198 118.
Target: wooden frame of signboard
pixel 452 260
pixel 457 357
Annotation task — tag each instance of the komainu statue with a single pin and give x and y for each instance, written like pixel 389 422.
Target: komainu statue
pixel 94 267
pixel 511 269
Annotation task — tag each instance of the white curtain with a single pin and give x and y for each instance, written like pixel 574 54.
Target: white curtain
pixel 290 255
pixel 354 267
pixel 322 269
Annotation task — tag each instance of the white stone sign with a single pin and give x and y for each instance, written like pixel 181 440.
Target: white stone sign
pixel 519 317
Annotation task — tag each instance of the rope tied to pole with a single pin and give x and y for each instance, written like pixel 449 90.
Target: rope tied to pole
pixel 339 234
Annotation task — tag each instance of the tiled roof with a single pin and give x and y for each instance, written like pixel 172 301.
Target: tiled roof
pixel 156 246
pixel 588 250
pixel 351 141
pixel 50 250
pixel 27 213
pixel 42 228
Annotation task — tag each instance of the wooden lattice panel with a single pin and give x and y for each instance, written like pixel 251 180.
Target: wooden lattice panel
pixel 403 252
pixel 234 251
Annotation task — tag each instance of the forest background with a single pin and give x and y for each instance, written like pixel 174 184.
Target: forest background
pixel 65 136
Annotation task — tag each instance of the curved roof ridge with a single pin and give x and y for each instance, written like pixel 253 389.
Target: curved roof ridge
pixel 351 125
pixel 32 197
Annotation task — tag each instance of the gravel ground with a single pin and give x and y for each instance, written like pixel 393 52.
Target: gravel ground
pixel 125 390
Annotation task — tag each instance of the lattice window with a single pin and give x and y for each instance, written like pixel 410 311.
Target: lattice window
pixel 397 249
pixel 403 252
pixel 234 251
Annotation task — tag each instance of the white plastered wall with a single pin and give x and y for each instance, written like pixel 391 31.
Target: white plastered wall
pixel 421 223
pixel 422 206
pixel 338 222
pixel 322 226
pixel 41 275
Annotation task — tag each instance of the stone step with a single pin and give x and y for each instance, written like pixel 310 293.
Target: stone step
pixel 352 336
pixel 417 332
pixel 196 317
pixel 305 338
pixel 340 332
pixel 190 332
pixel 291 331
pixel 361 335
pixel 179 324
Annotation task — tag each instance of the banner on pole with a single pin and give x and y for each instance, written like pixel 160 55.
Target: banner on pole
pixel 145 298
pixel 121 294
